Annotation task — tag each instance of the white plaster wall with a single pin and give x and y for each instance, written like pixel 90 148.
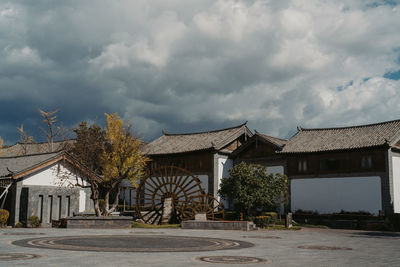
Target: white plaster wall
pixel 55 175
pixel 203 182
pixel 275 169
pixel 396 183
pixel 329 195
pixel 224 165
pixel 82 200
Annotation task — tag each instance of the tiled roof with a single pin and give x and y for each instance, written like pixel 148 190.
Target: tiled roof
pixel 343 138
pixel 180 143
pixel 278 143
pixel 274 140
pixel 19 166
pixel 34 148
pixel 15 165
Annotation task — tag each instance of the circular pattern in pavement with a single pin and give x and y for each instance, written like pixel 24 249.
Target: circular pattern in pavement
pixel 262 237
pixel 133 243
pixel 17 256
pixel 324 247
pixel 232 259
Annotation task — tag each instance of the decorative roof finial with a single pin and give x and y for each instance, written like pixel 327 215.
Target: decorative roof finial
pixel 299 129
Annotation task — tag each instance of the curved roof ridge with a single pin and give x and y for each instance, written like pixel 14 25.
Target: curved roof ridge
pixel 283 139
pixel 41 143
pixel 33 155
pixel 205 132
pixel 349 127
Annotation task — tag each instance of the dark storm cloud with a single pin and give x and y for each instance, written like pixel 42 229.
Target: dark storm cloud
pixel 198 65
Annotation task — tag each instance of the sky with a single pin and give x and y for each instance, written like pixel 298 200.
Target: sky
pixel 197 65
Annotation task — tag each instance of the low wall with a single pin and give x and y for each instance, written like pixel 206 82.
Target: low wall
pixel 219 225
pixel 98 222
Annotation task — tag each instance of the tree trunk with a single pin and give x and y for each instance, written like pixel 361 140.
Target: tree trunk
pixel 116 200
pixel 106 202
pixel 95 197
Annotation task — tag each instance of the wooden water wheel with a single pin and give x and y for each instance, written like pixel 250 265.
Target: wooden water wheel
pixel 162 194
pixel 203 204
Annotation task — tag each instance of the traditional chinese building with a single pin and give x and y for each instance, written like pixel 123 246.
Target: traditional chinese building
pixel 50 186
pixel 205 154
pixel 353 168
pixel 262 149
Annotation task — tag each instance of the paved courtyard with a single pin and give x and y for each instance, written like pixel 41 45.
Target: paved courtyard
pixel 307 247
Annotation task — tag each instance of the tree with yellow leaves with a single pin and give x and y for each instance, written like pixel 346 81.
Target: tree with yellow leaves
pixel 122 159
pixel 114 154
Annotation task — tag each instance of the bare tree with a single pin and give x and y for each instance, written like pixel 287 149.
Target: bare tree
pixel 54 132
pixel 24 140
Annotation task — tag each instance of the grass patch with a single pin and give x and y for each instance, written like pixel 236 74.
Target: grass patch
pixel 281 227
pixel 311 225
pixel 153 226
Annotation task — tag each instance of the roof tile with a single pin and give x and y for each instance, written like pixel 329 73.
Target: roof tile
pixel 180 143
pixel 343 138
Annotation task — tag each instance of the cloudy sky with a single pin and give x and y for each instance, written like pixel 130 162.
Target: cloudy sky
pixel 198 65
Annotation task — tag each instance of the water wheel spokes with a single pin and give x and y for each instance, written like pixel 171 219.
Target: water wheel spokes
pixel 162 194
pixel 203 204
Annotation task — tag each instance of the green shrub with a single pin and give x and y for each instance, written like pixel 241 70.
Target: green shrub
pixel 19 225
pixel 232 215
pixel 33 221
pixel 262 221
pixel 4 214
pixel 273 215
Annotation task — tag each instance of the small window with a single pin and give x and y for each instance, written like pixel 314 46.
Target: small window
pixel 302 165
pixel 366 162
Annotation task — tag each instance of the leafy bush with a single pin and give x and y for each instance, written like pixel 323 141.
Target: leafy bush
pixel 273 215
pixel 4 214
pixel 33 221
pixel 262 221
pixel 19 225
pixel 251 188
pixel 232 215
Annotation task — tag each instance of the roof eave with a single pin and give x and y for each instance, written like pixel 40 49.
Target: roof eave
pixel 332 150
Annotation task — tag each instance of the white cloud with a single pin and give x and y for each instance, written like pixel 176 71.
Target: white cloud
pixel 205 64
pixel 24 55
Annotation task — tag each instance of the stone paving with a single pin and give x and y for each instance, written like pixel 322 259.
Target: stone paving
pixel 307 247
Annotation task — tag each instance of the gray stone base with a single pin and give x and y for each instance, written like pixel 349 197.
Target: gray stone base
pixel 99 222
pixel 219 225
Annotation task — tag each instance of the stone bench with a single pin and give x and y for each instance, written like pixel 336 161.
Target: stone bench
pixel 112 222
pixel 219 225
